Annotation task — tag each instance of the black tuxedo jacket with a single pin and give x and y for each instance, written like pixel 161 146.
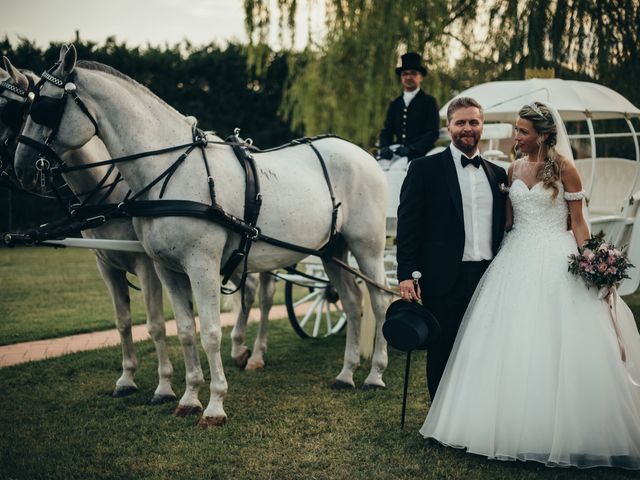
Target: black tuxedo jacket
pixel 416 126
pixel 430 236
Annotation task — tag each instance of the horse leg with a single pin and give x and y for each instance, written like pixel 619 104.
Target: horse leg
pixel 116 282
pixel 152 293
pixel 239 351
pixel 206 288
pixel 267 290
pixel 351 298
pixel 372 265
pixel 179 291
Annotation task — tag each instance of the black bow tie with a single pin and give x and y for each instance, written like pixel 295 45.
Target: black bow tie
pixel 475 161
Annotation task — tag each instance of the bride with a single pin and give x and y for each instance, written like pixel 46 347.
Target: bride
pixel 536 370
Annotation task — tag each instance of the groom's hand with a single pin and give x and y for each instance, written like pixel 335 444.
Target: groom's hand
pixel 409 291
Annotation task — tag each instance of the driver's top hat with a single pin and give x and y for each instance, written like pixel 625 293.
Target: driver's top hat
pixel 411 61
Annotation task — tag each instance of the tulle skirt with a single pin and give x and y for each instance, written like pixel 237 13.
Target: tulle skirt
pixel 536 370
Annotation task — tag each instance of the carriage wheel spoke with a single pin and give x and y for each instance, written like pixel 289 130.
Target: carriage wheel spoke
pixel 316 325
pixel 306 298
pixel 327 315
pixel 310 311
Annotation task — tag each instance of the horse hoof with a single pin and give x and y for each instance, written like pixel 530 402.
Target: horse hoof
pixel 123 392
pixel 371 386
pixel 241 361
pixel 160 399
pixel 208 422
pixel 187 410
pixel 253 366
pixel 340 385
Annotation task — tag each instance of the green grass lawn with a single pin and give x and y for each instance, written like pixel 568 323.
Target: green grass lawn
pixel 58 421
pixel 46 293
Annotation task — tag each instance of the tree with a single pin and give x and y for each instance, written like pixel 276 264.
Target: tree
pixel 581 38
pixel 344 84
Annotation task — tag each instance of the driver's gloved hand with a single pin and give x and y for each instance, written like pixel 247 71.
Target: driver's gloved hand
pixel 403 151
pixel 386 153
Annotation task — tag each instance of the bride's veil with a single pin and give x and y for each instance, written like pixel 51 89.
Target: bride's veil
pixel 563 146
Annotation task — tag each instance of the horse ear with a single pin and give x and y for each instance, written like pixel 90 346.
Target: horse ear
pixel 16 75
pixel 63 51
pixel 68 58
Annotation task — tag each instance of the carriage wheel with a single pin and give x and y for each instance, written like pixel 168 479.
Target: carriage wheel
pixel 324 315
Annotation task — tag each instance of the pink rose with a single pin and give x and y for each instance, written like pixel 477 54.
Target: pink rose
pixel 612 270
pixel 602 267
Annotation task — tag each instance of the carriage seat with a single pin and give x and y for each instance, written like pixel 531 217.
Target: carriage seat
pixel 612 185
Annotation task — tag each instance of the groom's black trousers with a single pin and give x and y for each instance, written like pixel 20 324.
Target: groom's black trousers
pixel 449 310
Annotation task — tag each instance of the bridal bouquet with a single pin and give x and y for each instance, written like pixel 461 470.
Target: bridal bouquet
pixel 599 264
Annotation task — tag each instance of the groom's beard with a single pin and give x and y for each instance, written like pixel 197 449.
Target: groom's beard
pixel 466 143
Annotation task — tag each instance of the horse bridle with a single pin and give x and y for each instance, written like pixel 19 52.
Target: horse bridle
pixel 48 111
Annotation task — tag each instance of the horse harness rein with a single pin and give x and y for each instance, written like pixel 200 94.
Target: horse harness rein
pixel 48 111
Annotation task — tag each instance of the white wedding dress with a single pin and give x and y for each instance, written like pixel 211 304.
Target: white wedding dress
pixel 536 371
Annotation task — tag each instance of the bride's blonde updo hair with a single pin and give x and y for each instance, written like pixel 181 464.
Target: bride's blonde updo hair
pixel 542 120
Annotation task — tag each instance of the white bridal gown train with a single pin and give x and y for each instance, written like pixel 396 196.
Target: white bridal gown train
pixel 536 371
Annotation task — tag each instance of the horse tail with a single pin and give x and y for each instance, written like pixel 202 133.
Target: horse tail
pixel 367 324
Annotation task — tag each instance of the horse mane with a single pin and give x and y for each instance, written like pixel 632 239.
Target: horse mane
pixel 101 67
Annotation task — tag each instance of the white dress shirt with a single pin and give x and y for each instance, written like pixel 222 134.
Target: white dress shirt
pixel 477 209
pixel 408 96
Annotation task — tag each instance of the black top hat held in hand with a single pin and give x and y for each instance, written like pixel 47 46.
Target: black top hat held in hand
pixel 411 61
pixel 410 326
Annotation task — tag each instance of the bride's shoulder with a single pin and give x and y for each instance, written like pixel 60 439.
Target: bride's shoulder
pixel 566 165
pixel 569 175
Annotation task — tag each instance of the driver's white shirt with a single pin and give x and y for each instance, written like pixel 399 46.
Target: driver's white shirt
pixel 408 96
pixel 477 209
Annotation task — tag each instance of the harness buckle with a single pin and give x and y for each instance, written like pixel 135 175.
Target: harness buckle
pixel 254 234
pixel 42 164
pixel 70 87
pixel 95 221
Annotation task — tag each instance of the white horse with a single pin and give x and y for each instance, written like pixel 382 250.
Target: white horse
pixel 114 265
pixel 296 208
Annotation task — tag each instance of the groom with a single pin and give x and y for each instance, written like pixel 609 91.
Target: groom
pixel 450 223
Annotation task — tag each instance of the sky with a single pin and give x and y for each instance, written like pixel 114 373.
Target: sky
pixel 137 22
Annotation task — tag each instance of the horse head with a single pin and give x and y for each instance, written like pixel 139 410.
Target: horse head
pixel 55 124
pixel 16 95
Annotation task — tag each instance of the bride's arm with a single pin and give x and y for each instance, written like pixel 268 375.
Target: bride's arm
pixel 572 184
pixel 508 219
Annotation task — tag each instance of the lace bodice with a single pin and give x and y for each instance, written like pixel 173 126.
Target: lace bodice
pixel 536 210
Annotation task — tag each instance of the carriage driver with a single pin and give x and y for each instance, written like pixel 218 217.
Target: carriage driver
pixel 412 120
